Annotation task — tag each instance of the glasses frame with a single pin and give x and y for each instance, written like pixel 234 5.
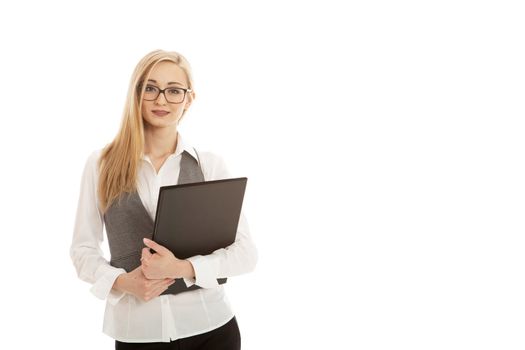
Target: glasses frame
pixel 161 91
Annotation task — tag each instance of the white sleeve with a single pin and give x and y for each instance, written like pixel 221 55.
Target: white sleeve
pixel 236 259
pixel 85 250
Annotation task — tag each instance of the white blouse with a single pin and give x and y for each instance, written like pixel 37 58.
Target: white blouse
pixel 167 317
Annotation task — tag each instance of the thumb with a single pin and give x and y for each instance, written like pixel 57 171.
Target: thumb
pixel 156 247
pixel 145 254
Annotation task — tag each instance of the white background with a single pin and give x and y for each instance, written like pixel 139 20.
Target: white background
pixel 383 142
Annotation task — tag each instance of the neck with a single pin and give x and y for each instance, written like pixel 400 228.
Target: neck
pixel 160 142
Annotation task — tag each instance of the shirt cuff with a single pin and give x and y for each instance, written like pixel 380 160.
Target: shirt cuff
pixel 114 296
pixel 206 270
pixel 189 281
pixel 102 288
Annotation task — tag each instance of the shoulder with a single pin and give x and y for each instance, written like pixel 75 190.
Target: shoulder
pixel 94 157
pixel 213 165
pixel 210 159
pixel 91 162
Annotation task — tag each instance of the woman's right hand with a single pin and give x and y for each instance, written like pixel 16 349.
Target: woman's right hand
pixel 136 283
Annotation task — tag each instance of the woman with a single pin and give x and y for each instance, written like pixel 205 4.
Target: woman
pixel 119 190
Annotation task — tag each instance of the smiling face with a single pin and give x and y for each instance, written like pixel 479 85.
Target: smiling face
pixel 160 113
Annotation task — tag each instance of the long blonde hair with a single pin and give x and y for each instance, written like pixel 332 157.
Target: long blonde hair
pixel 120 159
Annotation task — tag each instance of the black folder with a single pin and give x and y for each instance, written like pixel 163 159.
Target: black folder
pixel 198 218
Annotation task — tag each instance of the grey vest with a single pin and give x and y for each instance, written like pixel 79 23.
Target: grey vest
pixel 128 222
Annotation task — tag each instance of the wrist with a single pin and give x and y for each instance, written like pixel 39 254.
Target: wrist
pixel 189 272
pixel 183 269
pixel 120 281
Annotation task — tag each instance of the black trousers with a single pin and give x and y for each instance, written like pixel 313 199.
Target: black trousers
pixel 226 337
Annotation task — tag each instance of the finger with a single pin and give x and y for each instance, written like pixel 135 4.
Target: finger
pixel 145 254
pixel 153 282
pixel 156 247
pixel 154 292
pixel 151 274
pixel 160 289
pixel 160 284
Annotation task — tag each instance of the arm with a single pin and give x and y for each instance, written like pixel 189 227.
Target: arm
pixel 238 258
pixel 108 281
pixel 136 283
pixel 204 270
pixel 85 250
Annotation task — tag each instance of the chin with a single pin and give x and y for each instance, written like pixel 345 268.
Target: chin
pixel 160 123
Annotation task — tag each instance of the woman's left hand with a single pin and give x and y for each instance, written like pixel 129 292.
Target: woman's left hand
pixel 163 264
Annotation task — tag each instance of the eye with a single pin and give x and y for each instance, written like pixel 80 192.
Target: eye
pixel 151 88
pixel 175 91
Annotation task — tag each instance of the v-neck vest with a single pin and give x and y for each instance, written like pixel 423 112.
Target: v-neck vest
pixel 127 222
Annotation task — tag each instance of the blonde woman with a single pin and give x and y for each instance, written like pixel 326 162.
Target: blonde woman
pixel 119 191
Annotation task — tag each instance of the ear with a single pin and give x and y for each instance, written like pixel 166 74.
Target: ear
pixel 191 97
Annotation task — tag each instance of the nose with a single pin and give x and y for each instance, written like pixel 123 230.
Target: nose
pixel 161 100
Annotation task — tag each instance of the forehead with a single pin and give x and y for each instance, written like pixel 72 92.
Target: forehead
pixel 166 71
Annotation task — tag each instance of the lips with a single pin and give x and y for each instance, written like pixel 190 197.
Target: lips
pixel 160 113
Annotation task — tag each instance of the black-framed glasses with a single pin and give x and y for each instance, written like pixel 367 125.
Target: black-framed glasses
pixel 171 94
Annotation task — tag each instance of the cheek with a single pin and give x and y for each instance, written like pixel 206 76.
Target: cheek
pixel 144 109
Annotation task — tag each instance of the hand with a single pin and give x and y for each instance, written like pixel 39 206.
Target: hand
pixel 136 283
pixel 163 264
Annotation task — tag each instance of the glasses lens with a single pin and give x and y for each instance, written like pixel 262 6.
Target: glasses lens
pixel 151 93
pixel 174 95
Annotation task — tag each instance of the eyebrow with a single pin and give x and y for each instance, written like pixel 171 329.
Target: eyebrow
pixel 170 83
